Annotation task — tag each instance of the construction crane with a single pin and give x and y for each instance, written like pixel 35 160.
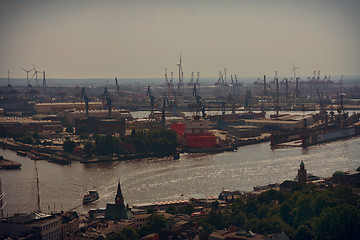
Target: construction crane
pixel 86 100
pixel 117 87
pixel 151 97
pixel 109 100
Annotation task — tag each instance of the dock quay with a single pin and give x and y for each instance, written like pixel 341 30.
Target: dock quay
pixel 38 153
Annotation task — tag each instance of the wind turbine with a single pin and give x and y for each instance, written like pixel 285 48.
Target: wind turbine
pixel 181 73
pixel 27 75
pixel 35 74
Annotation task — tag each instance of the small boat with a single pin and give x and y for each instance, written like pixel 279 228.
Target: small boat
pixel 92 196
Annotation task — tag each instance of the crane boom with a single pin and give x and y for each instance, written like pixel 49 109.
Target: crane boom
pixel 117 87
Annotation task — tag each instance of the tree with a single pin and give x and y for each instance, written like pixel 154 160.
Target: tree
pixel 237 218
pixel 340 222
pixel 252 207
pixel 69 146
pixel 285 210
pixel 207 227
pixel 89 148
pixel 303 210
pixel 271 195
pixel 125 234
pixel 303 233
pixel 156 222
pixel 187 209
pixel 172 210
pixel 215 205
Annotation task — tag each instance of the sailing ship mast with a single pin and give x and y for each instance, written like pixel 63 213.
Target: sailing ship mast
pixel 38 189
pixel 2 204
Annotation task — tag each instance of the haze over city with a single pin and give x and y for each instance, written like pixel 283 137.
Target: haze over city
pixel 139 39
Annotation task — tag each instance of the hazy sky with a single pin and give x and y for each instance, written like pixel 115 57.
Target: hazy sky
pixel 140 38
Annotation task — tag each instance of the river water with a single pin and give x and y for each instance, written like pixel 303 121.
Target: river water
pixel 152 180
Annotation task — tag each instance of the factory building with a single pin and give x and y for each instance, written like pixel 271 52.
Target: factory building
pixel 16 125
pixel 108 126
pixel 285 122
pixel 244 131
pixel 71 116
pixel 53 108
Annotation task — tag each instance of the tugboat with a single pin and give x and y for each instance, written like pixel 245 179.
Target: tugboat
pixel 92 196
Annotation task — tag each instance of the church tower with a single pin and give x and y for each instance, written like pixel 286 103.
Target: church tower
pixel 119 199
pixel 302 174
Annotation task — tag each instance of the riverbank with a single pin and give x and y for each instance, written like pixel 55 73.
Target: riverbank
pixel 55 154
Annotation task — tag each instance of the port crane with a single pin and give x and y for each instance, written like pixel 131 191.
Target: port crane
pixel 248 97
pixel 10 91
pixel 163 109
pixel 86 100
pixel 198 79
pixel 191 83
pixel 199 105
pixel 151 97
pixel 109 100
pixel 322 105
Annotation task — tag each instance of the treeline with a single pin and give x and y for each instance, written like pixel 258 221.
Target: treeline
pixel 308 213
pixel 161 142
pixel 31 139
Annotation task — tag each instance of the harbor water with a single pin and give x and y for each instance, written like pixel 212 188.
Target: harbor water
pixel 153 180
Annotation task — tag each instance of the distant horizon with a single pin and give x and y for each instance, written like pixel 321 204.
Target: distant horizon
pixel 140 39
pixel 157 81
